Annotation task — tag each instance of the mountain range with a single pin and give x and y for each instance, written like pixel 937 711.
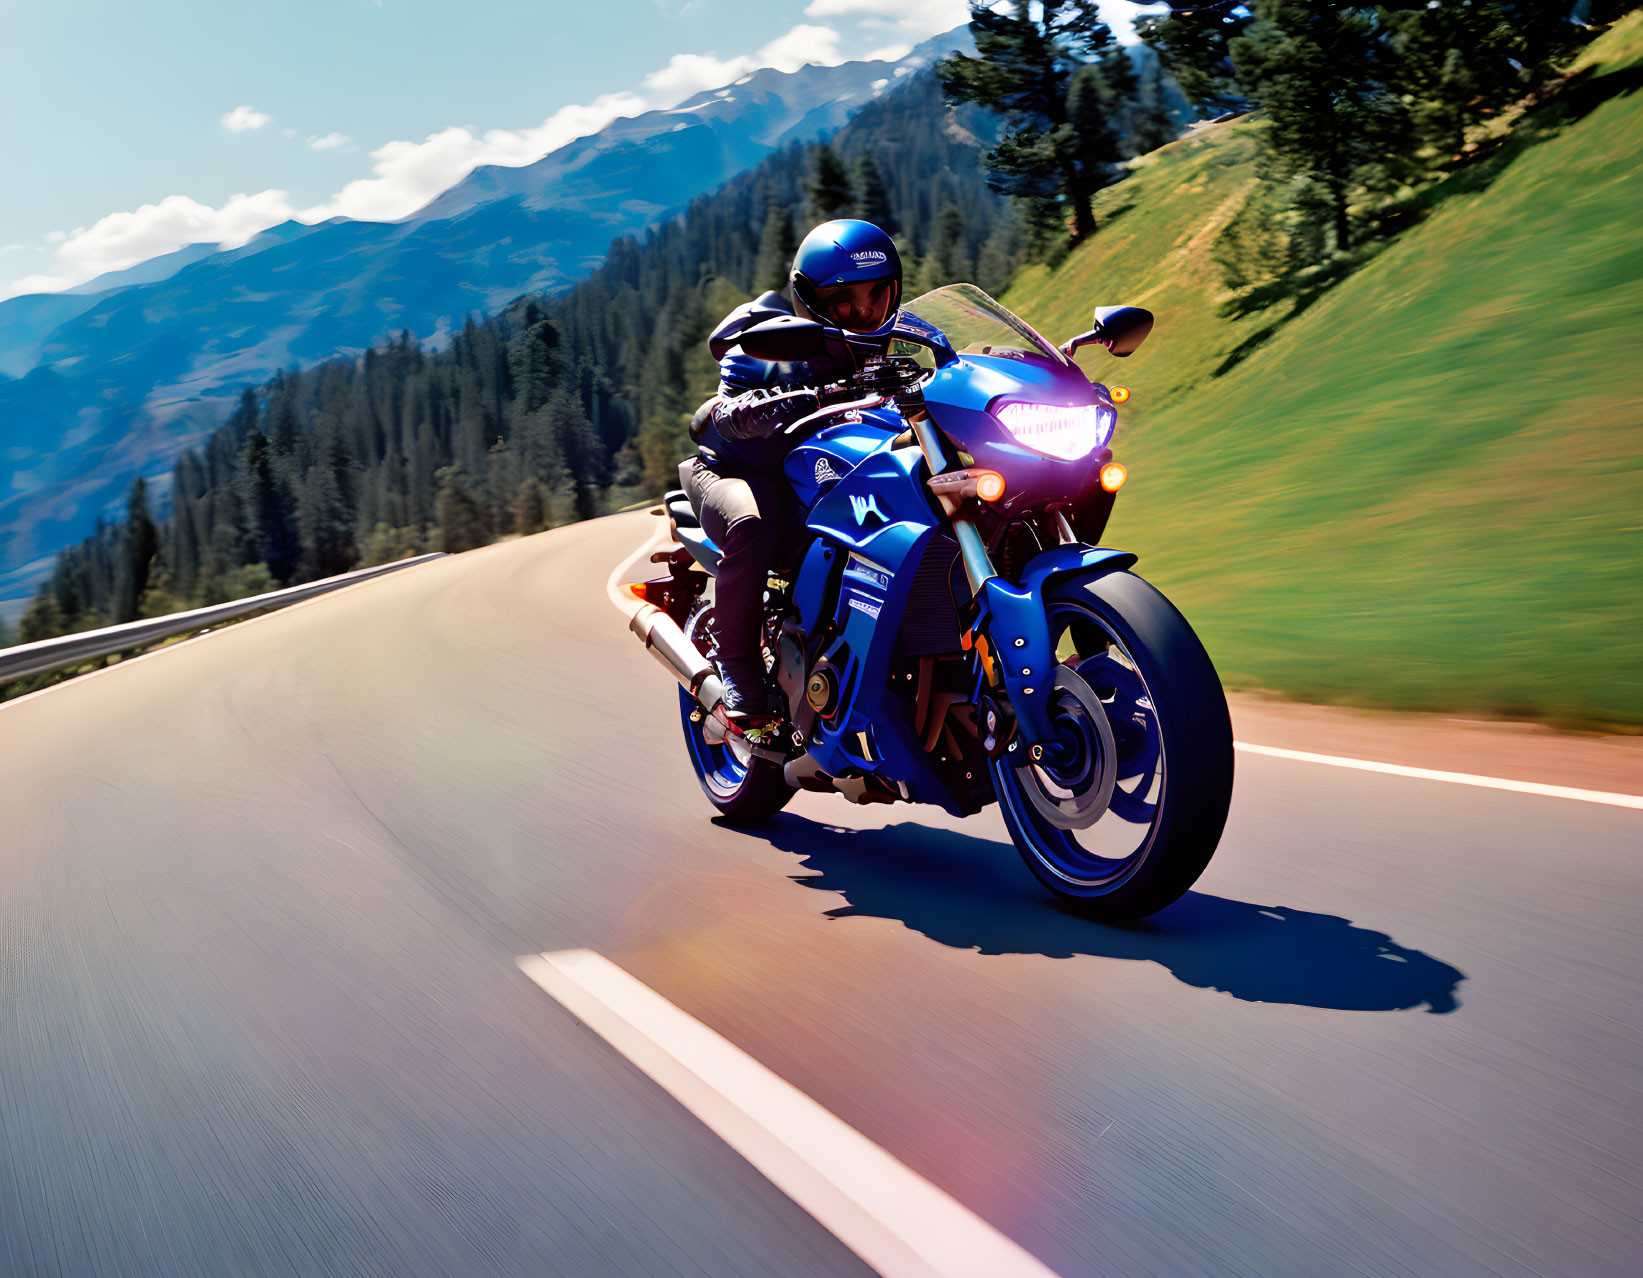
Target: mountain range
pixel 118 376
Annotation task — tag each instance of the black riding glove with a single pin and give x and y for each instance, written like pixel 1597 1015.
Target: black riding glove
pixel 759 414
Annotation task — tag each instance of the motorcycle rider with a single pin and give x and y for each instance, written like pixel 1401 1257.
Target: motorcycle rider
pixel 847 275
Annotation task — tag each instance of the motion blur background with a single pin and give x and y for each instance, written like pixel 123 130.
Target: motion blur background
pixel 1385 441
pixel 287 290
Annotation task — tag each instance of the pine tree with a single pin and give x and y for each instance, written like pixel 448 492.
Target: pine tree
pixel 776 248
pixel 244 417
pixel 533 361
pixel 831 195
pixel 43 619
pixel 1094 108
pixel 463 521
pixel 267 514
pixel 1028 58
pixel 872 197
pixel 1118 87
pixel 1336 126
pixel 324 520
pixel 1462 61
pixel 1000 255
pixel 1193 47
pixel 948 261
pixel 285 430
pixel 1151 125
pixel 142 543
pixel 530 507
pixel 578 445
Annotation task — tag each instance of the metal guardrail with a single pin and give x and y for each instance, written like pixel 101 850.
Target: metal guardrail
pixel 67 650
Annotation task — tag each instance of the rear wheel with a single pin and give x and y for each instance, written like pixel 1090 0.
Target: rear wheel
pixel 743 787
pixel 1127 809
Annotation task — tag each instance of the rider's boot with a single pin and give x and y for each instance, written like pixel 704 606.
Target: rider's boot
pixel 751 699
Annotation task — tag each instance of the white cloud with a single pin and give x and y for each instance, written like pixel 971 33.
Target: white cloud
pixel 124 239
pixel 890 53
pixel 242 118
pixel 912 20
pixel 802 45
pixel 915 20
pixel 688 74
pixel 407 174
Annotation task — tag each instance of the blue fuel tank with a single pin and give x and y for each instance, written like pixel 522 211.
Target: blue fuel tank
pixel 829 455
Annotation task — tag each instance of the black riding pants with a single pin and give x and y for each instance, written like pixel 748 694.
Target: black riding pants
pixel 751 516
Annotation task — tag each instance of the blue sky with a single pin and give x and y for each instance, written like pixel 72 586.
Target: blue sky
pixel 128 129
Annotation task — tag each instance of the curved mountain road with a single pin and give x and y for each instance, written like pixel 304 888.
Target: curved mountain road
pixel 261 896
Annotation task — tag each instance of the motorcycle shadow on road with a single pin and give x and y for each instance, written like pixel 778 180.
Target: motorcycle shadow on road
pixel 974 894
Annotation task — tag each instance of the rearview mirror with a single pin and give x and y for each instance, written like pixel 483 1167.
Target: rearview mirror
pixel 1121 329
pixel 785 338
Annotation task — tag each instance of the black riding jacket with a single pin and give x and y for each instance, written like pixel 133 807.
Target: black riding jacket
pixel 740 431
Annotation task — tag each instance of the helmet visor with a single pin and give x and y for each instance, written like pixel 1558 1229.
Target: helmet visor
pixel 859 307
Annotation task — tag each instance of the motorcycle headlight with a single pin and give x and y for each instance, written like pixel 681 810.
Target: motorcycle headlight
pixel 1067 433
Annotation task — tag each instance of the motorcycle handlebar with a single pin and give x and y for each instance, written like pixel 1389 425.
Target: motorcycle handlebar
pixel 833 410
pixel 869 388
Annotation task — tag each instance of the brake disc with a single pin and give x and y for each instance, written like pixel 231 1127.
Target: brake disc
pixel 1074 794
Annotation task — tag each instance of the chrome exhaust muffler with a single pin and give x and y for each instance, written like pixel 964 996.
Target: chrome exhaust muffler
pixel 681 658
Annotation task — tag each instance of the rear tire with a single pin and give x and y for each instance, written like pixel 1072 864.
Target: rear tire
pixel 746 789
pixel 1164 704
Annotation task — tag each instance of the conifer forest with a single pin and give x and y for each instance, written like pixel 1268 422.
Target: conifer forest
pixel 563 407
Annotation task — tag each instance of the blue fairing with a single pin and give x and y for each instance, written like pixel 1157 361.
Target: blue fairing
pixel 878 540
pixel 829 455
pixel 959 396
pixel 1013 618
pixel 872 528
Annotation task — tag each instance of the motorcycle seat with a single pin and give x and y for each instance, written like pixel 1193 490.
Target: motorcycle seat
pixel 680 510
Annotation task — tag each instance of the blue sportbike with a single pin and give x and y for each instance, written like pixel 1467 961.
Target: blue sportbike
pixel 949 630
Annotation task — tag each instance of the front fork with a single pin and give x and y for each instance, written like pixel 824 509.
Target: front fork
pixel 1005 627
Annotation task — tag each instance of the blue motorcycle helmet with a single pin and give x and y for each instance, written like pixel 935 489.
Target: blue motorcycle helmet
pixel 847 274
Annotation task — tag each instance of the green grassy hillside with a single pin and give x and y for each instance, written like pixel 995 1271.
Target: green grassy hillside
pixel 1425 488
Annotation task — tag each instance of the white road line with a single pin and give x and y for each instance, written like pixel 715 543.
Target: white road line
pixel 889 1215
pixel 627 605
pixel 1454 778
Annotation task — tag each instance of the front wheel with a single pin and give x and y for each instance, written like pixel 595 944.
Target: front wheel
pixel 743 787
pixel 1128 814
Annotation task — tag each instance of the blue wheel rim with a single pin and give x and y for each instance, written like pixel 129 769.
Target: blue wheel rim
pixel 1095 859
pixel 721 772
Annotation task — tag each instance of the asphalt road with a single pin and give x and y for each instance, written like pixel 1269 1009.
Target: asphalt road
pixel 261 895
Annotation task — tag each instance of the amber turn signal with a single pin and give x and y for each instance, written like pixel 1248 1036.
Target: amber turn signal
pixel 955 486
pixel 1113 476
pixel 1120 394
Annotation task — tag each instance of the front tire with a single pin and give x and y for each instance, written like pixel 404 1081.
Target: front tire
pixel 1162 719
pixel 746 789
